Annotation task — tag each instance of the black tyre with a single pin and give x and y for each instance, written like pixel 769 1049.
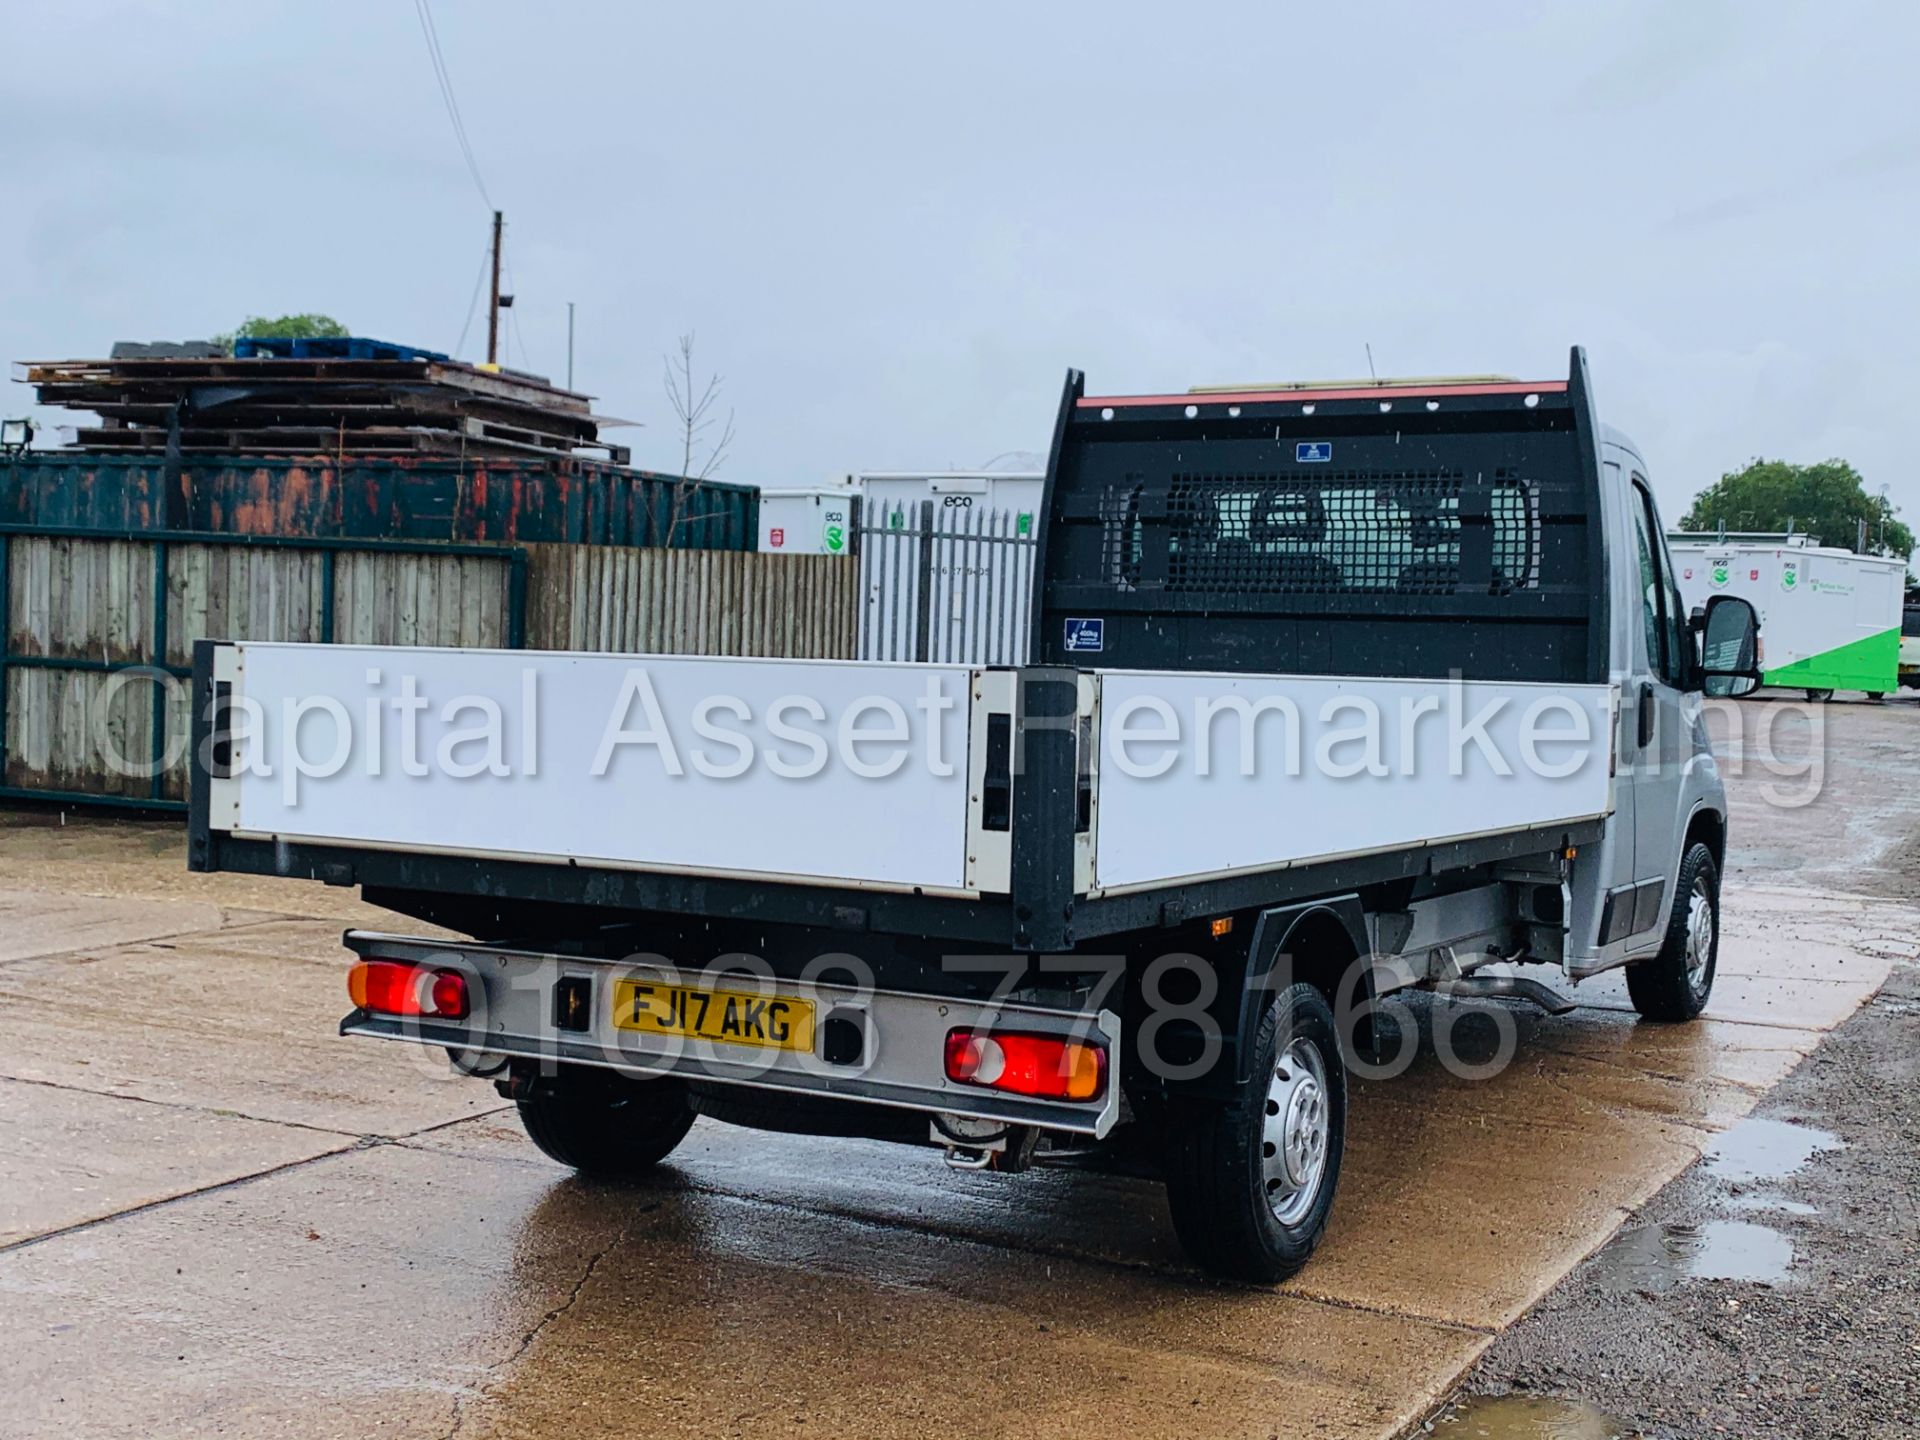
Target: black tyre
pixel 1251 1183
pixel 1819 697
pixel 1675 984
pixel 603 1123
pixel 1876 696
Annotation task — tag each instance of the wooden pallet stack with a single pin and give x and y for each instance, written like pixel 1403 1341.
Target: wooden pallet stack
pixel 342 399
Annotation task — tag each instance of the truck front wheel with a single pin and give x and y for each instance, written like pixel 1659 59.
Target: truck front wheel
pixel 1675 984
pixel 1250 1183
pixel 602 1123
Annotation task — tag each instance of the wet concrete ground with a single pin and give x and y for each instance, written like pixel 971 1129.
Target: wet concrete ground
pixel 1773 1289
pixel 216 1216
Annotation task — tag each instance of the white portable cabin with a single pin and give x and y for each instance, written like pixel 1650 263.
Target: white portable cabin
pixel 955 492
pixel 814 520
pixel 1829 619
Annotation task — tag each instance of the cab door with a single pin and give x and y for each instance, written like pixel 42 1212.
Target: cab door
pixel 1659 724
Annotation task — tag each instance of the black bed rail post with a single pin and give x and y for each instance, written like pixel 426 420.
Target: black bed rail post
pixel 200 721
pixel 1036 597
pixel 1586 436
pixel 1045 779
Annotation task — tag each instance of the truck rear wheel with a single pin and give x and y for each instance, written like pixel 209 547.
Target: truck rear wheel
pixel 1675 984
pixel 1251 1182
pixel 603 1123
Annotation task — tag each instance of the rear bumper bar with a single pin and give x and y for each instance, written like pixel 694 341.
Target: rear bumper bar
pixel 898 1061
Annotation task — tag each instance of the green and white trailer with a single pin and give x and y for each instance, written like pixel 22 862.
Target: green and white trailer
pixel 1829 619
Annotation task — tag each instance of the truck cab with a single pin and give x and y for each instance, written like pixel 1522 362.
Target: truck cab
pixel 1667 788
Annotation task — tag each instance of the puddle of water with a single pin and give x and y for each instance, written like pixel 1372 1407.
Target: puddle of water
pixel 1759 1149
pixel 1659 1257
pixel 1528 1417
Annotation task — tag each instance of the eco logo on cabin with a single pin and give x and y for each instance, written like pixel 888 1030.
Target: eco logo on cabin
pixel 1720 574
pixel 1789 575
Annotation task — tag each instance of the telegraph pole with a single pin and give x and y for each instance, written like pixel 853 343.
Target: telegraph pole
pixel 570 344
pixel 493 305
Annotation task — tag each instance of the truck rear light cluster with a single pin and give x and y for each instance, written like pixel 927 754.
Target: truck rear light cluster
pixel 1049 1067
pixel 400 987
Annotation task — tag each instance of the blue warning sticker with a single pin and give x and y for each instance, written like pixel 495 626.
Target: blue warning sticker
pixel 1086 634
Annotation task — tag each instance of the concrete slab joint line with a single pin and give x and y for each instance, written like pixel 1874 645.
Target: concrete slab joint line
pixel 527 1340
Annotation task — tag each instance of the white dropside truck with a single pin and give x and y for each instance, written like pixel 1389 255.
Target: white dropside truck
pixel 1832 618
pixel 1331 693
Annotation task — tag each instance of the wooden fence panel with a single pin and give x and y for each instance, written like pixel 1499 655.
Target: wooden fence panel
pixel 79 610
pixel 689 602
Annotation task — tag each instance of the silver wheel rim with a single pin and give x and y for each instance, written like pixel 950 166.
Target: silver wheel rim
pixel 1699 931
pixel 1293 1149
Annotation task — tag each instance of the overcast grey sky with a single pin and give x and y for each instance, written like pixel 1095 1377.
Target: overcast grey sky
pixel 895 226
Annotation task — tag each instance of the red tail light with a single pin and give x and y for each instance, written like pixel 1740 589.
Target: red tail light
pixel 1049 1067
pixel 400 987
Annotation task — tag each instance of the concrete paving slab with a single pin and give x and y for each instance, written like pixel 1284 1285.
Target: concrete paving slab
pixel 227 1021
pixel 36 923
pixel 1026 1346
pixel 1792 959
pixel 90 853
pixel 71 1156
pixel 404 1284
pixel 363 1293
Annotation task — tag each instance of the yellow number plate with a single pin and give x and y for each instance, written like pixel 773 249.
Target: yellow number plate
pixel 734 1017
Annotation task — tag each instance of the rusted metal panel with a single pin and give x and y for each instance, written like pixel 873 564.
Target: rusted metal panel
pixel 574 501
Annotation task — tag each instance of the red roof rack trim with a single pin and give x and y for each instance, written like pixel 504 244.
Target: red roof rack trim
pixel 1365 392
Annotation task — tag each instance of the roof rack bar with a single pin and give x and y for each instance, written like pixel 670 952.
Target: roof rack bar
pixel 1366 392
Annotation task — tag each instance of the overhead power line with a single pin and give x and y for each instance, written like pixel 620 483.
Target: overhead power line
pixel 424 10
pixel 473 301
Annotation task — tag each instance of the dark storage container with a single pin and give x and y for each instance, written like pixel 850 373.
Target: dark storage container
pixel 585 502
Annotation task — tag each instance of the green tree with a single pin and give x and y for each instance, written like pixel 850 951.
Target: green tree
pixel 285 327
pixel 1829 500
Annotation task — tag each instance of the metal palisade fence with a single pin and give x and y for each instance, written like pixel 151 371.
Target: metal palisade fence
pixel 944 582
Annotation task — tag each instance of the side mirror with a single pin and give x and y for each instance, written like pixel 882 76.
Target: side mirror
pixel 1729 648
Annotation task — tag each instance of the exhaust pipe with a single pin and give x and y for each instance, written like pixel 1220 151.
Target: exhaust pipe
pixel 1505 987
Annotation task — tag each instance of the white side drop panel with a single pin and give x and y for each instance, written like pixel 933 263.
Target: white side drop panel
pixel 1184 824
pixel 899 831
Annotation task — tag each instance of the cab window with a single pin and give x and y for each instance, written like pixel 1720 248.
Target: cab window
pixel 1660 598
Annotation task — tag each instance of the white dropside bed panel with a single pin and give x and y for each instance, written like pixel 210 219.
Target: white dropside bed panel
pixel 901 830
pixel 1172 809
